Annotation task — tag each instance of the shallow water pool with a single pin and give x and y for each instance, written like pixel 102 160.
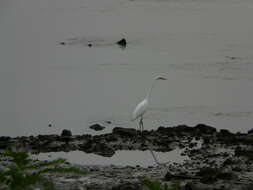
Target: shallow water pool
pixel 121 158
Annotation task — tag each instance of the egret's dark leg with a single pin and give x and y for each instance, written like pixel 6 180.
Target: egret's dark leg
pixel 141 124
pixel 141 130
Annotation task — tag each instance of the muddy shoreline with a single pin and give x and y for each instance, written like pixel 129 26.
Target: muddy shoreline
pixel 223 161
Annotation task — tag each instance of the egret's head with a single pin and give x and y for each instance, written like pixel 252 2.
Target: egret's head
pixel 161 78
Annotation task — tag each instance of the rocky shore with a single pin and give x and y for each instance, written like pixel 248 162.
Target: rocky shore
pixel 218 159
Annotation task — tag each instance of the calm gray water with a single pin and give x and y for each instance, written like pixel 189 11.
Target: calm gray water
pixel 204 47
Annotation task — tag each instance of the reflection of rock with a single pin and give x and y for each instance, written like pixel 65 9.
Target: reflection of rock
pixel 108 122
pixel 98 148
pixel 128 186
pixel 197 186
pixel 168 177
pixel 231 57
pixel 97 127
pixel 122 42
pixel 125 131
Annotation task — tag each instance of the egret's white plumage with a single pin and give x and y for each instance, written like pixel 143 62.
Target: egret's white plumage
pixel 140 109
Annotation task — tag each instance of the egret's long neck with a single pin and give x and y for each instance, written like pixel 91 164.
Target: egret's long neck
pixel 150 90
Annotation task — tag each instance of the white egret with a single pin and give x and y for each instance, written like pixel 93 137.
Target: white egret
pixel 140 110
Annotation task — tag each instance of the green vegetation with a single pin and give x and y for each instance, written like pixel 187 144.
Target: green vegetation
pixel 22 173
pixel 156 185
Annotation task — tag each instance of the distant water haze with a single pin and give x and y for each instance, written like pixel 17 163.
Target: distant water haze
pixel 203 47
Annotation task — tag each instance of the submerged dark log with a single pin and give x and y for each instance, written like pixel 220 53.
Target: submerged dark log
pixel 122 42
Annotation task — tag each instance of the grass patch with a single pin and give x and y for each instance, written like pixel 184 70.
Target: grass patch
pixel 21 173
pixel 156 185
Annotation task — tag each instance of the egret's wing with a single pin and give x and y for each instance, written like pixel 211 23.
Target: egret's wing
pixel 140 110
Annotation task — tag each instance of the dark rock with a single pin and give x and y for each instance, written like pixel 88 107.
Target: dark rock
pixel 247 187
pixel 205 129
pixel 228 162
pixel 245 139
pixel 228 138
pixel 225 133
pixel 5 138
pixel 50 125
pixel 250 131
pixel 63 43
pixel 180 176
pixel 125 131
pixel 245 153
pixel 5 142
pixel 97 127
pixel 194 152
pixel 200 129
pixel 197 186
pixel 111 138
pixel 211 175
pixel 207 140
pixel 122 42
pixel 237 169
pixel 3 187
pixel 227 176
pixel 66 133
pixel 168 176
pixel 208 175
pixel 45 137
pixel 180 130
pixel 164 130
pixel 183 129
pixel 89 45
pixel 208 179
pixel 128 186
pixel 207 171
pixel 87 147
pixel 191 145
